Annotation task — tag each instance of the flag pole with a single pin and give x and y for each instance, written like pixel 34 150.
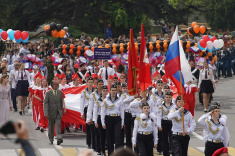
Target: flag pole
pixel 182 105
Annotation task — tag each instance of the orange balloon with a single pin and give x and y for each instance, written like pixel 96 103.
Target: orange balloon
pixel 202 29
pixel 195 45
pixel 188 46
pixel 157 42
pixel 71 46
pixel 158 46
pixel 86 48
pixel 114 51
pixel 128 44
pixel 99 46
pixel 121 49
pixel 165 41
pixel 78 53
pixel 46 27
pixel 127 47
pixel 114 45
pixel 151 51
pixel 71 51
pixel 62 33
pixel 209 54
pixel 79 48
pixel 106 46
pixel 64 51
pixel 165 49
pixel 188 32
pixel 186 50
pixel 206 57
pixel 150 46
pixel 165 45
pixel 181 41
pixel 64 46
pixel 196 29
pixel 121 44
pixel 193 24
pixel 92 49
pixel 215 58
pixel 54 33
pixel 188 42
pixel 136 48
pixel 212 62
pixel 149 43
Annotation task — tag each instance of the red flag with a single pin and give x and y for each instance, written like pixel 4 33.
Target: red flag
pixel 133 67
pixel 144 74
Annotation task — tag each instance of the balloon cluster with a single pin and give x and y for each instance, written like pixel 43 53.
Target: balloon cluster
pixel 209 43
pixel 54 30
pixel 16 36
pixel 195 30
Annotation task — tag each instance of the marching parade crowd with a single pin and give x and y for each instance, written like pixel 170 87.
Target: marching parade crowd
pixel 149 120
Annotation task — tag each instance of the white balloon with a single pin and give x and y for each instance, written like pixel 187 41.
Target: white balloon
pixel 8 30
pixel 209 45
pixel 216 44
pixel 221 43
pixel 14 40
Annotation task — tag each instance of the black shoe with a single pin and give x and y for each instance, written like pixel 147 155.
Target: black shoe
pixel 205 110
pixel 42 130
pixel 99 153
pixel 225 76
pixel 28 107
pixel 67 129
pixel 38 128
pixel 20 112
pixel 51 143
pixel 89 147
pixel 59 141
pixel 76 130
pixel 62 132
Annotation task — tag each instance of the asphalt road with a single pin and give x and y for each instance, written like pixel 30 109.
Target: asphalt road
pixel 75 141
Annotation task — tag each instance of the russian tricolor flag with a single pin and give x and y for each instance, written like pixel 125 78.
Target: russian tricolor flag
pixel 176 62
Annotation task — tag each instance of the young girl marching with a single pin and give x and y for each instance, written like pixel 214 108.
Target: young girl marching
pixel 39 94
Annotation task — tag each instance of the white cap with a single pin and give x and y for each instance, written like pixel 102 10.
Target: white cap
pixel 65 28
pixel 158 65
pixel 4 59
pixel 60 66
pixel 35 67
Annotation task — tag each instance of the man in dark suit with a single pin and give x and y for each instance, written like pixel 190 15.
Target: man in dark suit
pixel 53 111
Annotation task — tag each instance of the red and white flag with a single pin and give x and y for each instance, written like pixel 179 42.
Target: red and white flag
pixel 144 73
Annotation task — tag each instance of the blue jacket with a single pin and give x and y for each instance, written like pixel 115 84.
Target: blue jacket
pixel 108 33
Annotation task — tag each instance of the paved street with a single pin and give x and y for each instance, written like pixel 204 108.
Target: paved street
pixel 74 142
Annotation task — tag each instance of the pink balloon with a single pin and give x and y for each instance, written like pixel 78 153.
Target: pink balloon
pixel 24 35
pixel 202 43
pixel 4 35
pixel 17 34
pixel 213 39
pixel 206 38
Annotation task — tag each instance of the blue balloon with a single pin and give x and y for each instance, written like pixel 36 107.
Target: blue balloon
pixel 209 49
pixel 25 40
pixel 0 32
pixel 11 34
pixel 210 36
pixel 19 40
pixel 198 45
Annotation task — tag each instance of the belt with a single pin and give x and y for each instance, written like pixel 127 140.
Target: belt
pixel 215 141
pixel 177 133
pixel 127 111
pixel 145 133
pixel 113 114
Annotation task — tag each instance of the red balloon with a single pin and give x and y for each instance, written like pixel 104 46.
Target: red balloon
pixel 24 35
pixel 4 35
pixel 202 43
pixel 17 34
pixel 213 39
pixel 206 38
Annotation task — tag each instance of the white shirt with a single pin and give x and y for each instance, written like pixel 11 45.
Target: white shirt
pixel 126 100
pixel 164 111
pixel 84 101
pixel 103 74
pixel 63 87
pixel 177 125
pixel 209 126
pixel 94 96
pixel 202 76
pixel 136 107
pixel 141 124
pixel 97 109
pixel 25 75
pixel 112 107
pixel 12 79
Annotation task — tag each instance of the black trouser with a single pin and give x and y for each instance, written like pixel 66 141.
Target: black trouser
pixel 159 144
pixel 88 130
pixel 113 128
pixel 97 139
pixel 132 126
pixel 145 144
pixel 180 145
pixel 166 136
pixel 13 97
pixel 211 147
pixel 128 122
pixel 102 134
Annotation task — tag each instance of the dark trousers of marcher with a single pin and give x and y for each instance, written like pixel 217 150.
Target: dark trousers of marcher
pixel 93 140
pixel 132 126
pixel 102 135
pixel 88 130
pixel 211 147
pixel 128 122
pixel 166 137
pixel 145 144
pixel 113 128
pixel 159 144
pixel 180 145
pixel 97 139
pixel 13 97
